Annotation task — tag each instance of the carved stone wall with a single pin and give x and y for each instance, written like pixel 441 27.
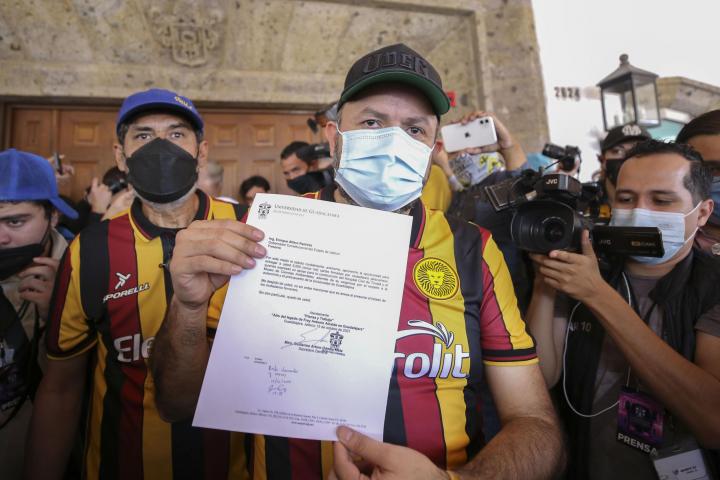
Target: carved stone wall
pixel 270 53
pixel 688 96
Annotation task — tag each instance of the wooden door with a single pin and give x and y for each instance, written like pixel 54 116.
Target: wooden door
pixel 247 144
pixel 244 142
pixel 86 138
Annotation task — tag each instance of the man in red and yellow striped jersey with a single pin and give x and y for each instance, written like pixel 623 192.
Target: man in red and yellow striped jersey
pixel 459 322
pixel 109 301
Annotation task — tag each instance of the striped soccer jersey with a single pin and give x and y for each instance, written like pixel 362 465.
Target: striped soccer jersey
pixel 111 297
pixel 458 312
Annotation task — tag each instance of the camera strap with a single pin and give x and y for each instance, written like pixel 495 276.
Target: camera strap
pixel 640 418
pixel 631 301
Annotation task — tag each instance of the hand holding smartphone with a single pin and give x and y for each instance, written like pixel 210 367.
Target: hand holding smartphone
pixel 477 133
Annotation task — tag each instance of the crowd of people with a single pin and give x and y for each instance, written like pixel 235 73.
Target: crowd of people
pixel 573 364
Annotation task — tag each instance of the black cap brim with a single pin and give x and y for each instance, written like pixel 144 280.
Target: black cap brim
pixel 639 138
pixel 437 97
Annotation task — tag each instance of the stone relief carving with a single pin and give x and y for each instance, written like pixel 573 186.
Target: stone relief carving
pixel 190 31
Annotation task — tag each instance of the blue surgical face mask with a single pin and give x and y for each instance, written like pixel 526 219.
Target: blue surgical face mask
pixel 382 169
pixel 671 224
pixel 715 195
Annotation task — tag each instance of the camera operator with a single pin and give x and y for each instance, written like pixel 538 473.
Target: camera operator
pixel 644 335
pixel 613 149
pixel 703 134
pixel 315 178
pixel 103 199
pixel 299 161
pixel 470 201
pixel 109 197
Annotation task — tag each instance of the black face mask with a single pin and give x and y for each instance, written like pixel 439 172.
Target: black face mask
pixel 310 182
pixel 14 260
pixel 161 171
pixel 612 169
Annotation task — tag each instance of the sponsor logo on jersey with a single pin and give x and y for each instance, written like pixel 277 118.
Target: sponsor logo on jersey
pixel 435 278
pixel 132 348
pixel 442 365
pixel 121 279
pixel 126 293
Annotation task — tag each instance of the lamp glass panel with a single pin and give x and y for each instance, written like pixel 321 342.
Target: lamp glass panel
pixel 619 108
pixel 647 114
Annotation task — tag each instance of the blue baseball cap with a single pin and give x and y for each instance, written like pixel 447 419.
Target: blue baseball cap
pixel 25 176
pixel 159 99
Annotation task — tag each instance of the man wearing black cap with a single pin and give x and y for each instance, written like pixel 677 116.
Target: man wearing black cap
pixel 30 250
pixel 387 124
pixel 613 150
pixel 109 301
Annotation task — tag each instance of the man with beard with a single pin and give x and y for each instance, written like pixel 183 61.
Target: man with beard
pixel 387 124
pixel 636 344
pixel 109 301
pixel 30 250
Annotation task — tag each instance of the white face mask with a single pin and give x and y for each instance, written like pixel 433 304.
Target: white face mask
pixel 671 224
pixel 382 169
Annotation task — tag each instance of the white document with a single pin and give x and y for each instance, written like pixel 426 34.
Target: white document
pixel 306 338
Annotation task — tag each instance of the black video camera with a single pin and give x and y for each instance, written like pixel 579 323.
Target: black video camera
pixel 548 216
pixel 315 151
pixel 117 184
pixel 567 157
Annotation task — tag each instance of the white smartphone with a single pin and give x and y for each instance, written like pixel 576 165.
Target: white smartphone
pixel 478 133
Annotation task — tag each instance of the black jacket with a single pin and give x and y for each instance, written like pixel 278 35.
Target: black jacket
pixel 684 295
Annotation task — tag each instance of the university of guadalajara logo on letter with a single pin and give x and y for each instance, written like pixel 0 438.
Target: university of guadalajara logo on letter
pixel 435 278
pixel 264 210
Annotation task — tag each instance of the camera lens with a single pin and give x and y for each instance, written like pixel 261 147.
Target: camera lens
pixel 544 225
pixel 553 230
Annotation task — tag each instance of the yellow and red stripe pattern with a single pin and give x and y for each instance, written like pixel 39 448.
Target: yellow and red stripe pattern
pixel 111 297
pixel 458 314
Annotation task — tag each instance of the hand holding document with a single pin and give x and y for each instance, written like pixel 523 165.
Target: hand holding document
pixel 306 338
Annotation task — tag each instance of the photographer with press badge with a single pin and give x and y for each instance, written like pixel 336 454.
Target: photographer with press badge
pixel 635 352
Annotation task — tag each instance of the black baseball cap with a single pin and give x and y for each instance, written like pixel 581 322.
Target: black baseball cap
pixel 622 134
pixel 400 64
